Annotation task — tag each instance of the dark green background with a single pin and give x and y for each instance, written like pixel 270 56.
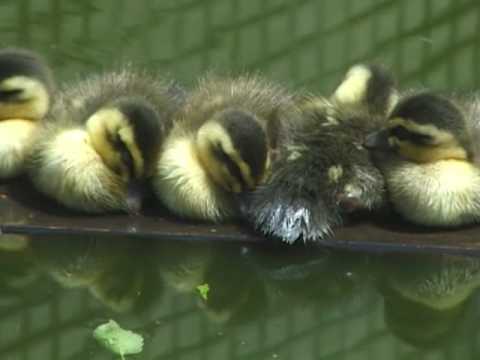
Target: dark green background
pixel 302 42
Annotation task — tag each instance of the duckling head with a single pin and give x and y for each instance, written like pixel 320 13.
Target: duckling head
pixel 424 128
pixel 126 135
pixel 232 146
pixel 25 85
pixel 370 87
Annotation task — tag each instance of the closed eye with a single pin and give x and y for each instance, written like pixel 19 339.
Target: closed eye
pixel 126 156
pixel 404 134
pixel 232 167
pixel 10 95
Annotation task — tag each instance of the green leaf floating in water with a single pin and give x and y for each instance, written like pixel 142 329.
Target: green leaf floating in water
pixel 203 291
pixel 117 340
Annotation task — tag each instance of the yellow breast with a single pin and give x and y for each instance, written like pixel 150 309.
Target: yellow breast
pixel 443 193
pixel 74 174
pixel 16 136
pixel 183 185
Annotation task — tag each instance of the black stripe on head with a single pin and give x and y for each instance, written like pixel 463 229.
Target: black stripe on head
pixel 21 62
pixel 10 95
pixel 146 126
pixel 403 134
pixel 232 167
pixel 430 109
pixel 248 139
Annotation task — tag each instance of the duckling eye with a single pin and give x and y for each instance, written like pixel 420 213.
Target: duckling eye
pixel 9 95
pixel 231 166
pixel 400 133
pixel 125 155
pixel 403 134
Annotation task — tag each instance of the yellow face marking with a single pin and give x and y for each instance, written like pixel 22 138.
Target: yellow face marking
pixel 443 146
pixel 352 92
pixel 393 101
pixel 425 154
pixel 33 101
pixel 438 136
pixel 184 185
pixel 353 89
pixel 217 171
pixel 99 126
pixel 208 136
pixel 110 123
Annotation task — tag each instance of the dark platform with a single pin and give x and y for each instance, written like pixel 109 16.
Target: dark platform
pixel 24 211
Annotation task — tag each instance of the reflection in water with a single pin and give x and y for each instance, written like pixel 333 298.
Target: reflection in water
pixel 107 270
pixel 426 297
pixel 286 295
pixel 11 242
pixel 236 293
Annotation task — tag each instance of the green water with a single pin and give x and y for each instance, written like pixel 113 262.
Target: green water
pixel 263 303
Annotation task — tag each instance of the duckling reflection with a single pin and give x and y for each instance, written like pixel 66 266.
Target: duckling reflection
pixel 18 276
pixel 107 267
pixel 323 173
pixel 26 88
pixel 247 283
pixel 236 293
pixel 300 277
pixel 13 242
pixel 100 142
pixel 11 215
pixel 426 297
pixel 428 152
pixel 220 145
pixel 185 266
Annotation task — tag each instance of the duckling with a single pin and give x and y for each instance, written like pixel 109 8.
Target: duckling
pixel 323 173
pixel 221 144
pixel 102 266
pixel 101 140
pixel 426 152
pixel 426 297
pixel 26 88
pixel 367 87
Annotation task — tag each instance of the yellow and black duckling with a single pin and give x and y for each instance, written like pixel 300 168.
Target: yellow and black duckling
pixel 25 91
pixel 101 140
pixel 323 172
pixel 427 154
pixel 367 87
pixel 220 145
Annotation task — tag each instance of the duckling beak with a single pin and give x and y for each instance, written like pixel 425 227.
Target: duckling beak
pixel 377 141
pixel 134 197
